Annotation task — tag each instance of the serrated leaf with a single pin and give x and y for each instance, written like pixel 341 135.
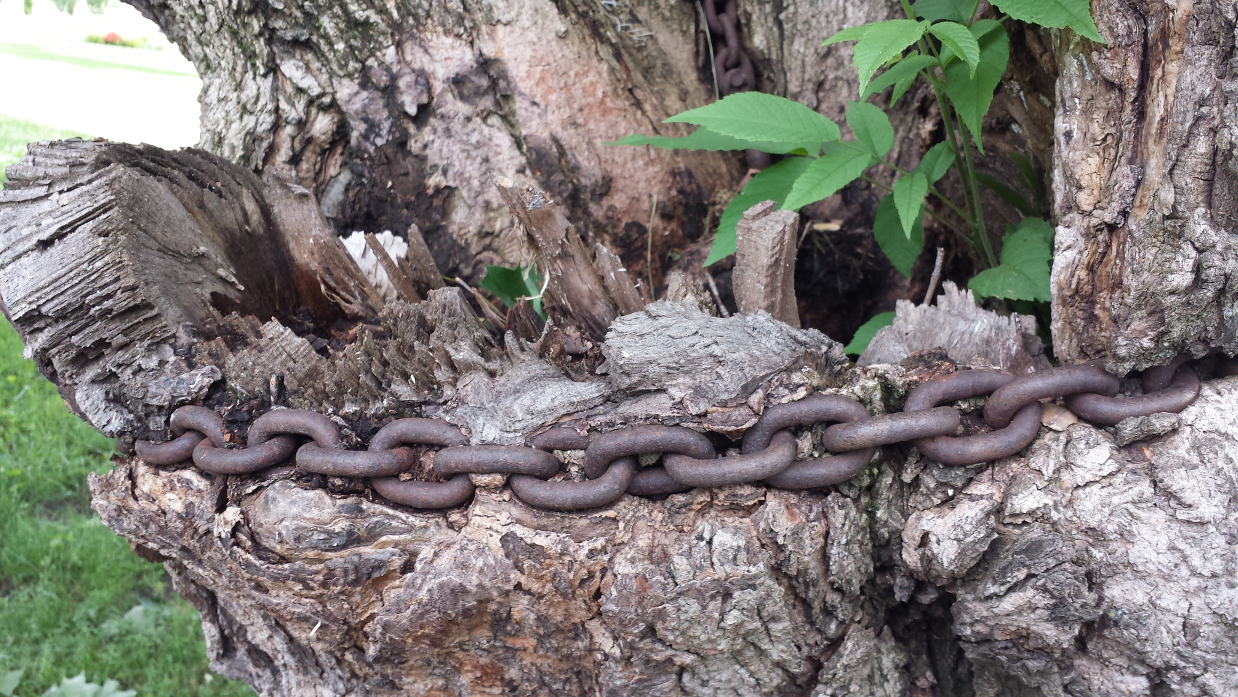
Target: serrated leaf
pixel 1007 194
pixel 871 127
pixel 1029 175
pixel 509 285
pixel 904 70
pixel 772 184
pixel 909 192
pixel 950 10
pixel 838 167
pixel 1058 14
pixel 760 117
pixel 883 41
pixel 864 335
pixel 972 95
pixel 888 231
pixel 983 27
pixel 705 139
pixel 959 40
pixel 936 162
pixel 1039 226
pixel 848 34
pixel 9 682
pixel 1024 271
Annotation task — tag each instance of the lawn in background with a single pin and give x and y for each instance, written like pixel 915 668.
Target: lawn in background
pixel 73 597
pixel 15 134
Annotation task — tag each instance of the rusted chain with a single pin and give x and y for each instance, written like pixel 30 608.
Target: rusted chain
pixel 495 459
pixel 417 494
pixel 961 451
pixel 190 425
pixel 254 458
pixel 644 440
pixel 568 495
pixel 890 428
pixel 736 469
pixel 615 476
pixel 689 458
pixel 1158 378
pixel 1109 411
pixel 814 409
pixel 1008 399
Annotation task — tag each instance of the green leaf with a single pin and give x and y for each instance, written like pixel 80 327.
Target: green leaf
pixel 1007 194
pixel 1023 274
pixel 772 184
pixel 972 94
pixel 1058 14
pixel 949 10
pixel 936 162
pixel 871 127
pixel 759 117
pixel 909 193
pixel 509 285
pixel 1029 175
pixel 901 75
pixel 959 40
pixel 9 682
pixel 838 167
pixel 705 139
pixel 864 335
pixel 848 34
pixel 888 231
pixel 1039 226
pixel 883 41
pixel 983 27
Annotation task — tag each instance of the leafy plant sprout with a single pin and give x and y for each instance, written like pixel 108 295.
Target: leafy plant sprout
pixel 963 59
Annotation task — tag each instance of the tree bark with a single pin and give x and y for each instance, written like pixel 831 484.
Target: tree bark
pixel 1096 562
pixel 1146 185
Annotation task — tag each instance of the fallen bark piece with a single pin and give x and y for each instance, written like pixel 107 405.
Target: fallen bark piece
pixel 574 292
pixel 764 276
pixel 420 266
pixel 629 296
pixel 708 361
pixel 968 333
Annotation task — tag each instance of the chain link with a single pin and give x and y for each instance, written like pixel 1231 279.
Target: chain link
pixel 732 67
pixel 689 459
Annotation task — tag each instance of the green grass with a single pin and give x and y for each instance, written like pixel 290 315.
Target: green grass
pixel 36 53
pixel 15 134
pixel 73 597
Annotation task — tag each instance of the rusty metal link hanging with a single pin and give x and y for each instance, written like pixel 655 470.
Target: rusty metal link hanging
pixel 732 67
pixel 689 460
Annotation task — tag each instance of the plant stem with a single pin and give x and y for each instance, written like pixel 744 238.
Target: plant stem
pixel 932 190
pixel 975 194
pixel 962 166
pixel 945 223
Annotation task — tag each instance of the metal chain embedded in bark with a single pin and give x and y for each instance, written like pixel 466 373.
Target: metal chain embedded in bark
pixel 733 69
pixel 768 455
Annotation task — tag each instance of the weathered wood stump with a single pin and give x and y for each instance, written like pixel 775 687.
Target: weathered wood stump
pixel 1096 562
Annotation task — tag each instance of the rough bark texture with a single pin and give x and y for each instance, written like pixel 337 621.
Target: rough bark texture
pixel 1097 562
pixel 1146 184
pixel 395 114
pixel 967 333
pixel 764 275
pixel 1081 565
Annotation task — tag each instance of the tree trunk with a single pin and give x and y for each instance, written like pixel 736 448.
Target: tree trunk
pixel 1096 562
pixel 1146 185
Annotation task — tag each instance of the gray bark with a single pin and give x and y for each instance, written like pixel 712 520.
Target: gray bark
pixel 1146 184
pixel 1097 562
pixel 1080 566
